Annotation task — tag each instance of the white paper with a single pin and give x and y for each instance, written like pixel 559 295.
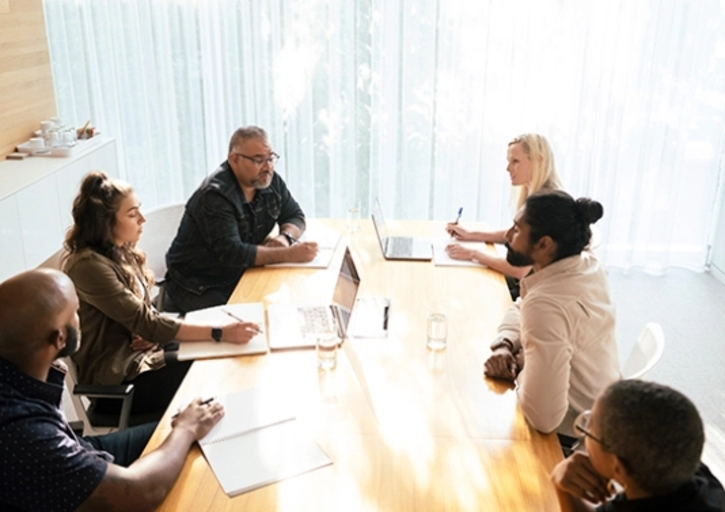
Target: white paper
pixel 326 242
pixel 441 258
pixel 258 442
pixel 220 315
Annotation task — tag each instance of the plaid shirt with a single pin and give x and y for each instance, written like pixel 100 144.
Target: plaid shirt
pixel 220 230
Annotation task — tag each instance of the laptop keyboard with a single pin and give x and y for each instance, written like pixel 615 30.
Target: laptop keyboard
pixel 315 319
pixel 400 246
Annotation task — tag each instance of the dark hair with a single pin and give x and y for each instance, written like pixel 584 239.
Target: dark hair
pixel 556 214
pixel 246 133
pixel 94 217
pixel 655 430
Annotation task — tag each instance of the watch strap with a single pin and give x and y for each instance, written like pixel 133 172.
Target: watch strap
pixel 216 334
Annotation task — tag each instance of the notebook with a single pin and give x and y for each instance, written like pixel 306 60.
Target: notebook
pixel 327 241
pixel 220 315
pixel 399 247
pixel 442 259
pixel 258 442
pixel 297 325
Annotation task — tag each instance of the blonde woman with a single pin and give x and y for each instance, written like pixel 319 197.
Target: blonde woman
pixel 124 339
pixel 531 167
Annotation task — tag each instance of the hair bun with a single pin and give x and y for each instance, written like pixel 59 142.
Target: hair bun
pixel 588 210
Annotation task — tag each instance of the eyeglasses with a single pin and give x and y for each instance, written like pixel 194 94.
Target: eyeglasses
pixel 259 160
pixel 582 424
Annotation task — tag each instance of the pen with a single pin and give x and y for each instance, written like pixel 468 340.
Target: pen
pixel 204 402
pixel 235 317
pixel 460 211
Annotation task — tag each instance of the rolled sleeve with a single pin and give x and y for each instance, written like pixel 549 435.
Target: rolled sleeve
pixel 291 211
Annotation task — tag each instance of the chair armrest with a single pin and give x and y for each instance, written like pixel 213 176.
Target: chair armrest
pixel 96 391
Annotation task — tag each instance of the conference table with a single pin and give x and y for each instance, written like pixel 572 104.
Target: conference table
pixel 407 428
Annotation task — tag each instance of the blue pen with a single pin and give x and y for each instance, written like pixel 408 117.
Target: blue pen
pixel 460 211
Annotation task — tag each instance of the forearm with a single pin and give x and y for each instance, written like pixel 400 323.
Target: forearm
pixel 268 255
pixel 493 237
pixel 143 485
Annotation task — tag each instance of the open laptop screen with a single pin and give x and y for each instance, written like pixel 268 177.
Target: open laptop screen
pixel 348 282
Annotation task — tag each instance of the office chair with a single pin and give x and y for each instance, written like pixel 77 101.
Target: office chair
pixel 645 353
pixel 158 233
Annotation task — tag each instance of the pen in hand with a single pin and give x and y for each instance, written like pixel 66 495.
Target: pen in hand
pixel 204 402
pixel 235 317
pixel 458 217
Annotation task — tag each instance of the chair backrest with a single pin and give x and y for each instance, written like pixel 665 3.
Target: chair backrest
pixel 645 353
pixel 158 233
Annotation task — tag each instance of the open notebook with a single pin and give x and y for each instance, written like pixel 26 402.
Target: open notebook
pixel 441 258
pixel 327 241
pixel 220 315
pixel 258 442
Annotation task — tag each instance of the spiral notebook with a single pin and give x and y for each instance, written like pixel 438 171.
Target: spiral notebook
pixel 258 442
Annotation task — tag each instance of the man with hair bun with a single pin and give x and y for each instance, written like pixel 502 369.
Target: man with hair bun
pixel 648 438
pixel 557 340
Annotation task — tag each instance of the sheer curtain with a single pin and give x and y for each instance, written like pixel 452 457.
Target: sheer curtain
pixel 414 101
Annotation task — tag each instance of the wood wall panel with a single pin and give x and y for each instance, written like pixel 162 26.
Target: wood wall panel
pixel 26 82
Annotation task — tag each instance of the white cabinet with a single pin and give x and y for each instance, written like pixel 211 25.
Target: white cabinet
pixel 12 255
pixel 36 198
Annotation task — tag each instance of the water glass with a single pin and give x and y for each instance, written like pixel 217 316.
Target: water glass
pixel 326 346
pixel 353 217
pixel 437 330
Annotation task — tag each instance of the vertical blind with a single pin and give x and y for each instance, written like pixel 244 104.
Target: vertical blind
pixel 414 102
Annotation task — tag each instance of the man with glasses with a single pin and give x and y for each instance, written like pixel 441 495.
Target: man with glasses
pixel 226 226
pixel 648 438
pixel 557 340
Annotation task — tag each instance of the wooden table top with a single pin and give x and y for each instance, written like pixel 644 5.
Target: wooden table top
pixel 406 427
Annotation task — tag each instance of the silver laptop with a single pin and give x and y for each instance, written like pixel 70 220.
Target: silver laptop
pixel 297 326
pixel 399 247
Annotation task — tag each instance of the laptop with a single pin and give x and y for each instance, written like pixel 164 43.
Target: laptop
pixel 297 326
pixel 399 247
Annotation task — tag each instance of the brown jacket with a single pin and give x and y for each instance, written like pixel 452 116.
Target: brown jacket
pixel 110 314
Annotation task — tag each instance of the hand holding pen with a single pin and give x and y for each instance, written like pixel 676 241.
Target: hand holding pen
pixel 239 331
pixel 454 230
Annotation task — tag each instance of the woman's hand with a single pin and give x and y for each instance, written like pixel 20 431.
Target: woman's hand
pixel 457 231
pixel 240 332
pixel 458 252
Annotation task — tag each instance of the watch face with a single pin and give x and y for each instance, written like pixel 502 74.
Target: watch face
pixel 216 333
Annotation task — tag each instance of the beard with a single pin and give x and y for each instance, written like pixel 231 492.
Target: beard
pixel 73 337
pixel 518 259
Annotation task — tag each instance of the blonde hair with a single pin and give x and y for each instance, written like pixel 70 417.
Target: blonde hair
pixel 543 172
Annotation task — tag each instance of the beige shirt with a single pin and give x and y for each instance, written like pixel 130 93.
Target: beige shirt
pixel 564 322
pixel 110 314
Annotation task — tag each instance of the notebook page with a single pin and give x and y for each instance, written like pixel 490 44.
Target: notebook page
pixel 246 411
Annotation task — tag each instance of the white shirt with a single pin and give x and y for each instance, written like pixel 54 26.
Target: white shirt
pixel 564 321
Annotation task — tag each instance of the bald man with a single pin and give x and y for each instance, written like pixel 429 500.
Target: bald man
pixel 45 466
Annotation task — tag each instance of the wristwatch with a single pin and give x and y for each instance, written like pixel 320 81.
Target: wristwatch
pixel 290 239
pixel 216 334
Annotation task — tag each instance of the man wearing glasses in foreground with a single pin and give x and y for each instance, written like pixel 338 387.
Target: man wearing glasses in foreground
pixel 226 226
pixel 648 438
